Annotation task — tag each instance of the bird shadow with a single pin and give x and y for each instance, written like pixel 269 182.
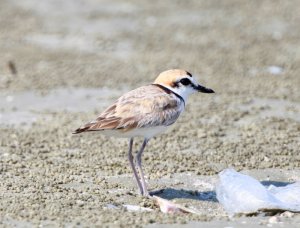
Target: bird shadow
pixel 275 183
pixel 211 196
pixel 171 193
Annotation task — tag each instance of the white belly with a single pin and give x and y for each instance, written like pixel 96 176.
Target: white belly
pixel 137 132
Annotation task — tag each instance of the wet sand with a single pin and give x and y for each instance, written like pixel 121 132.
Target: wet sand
pixel 62 63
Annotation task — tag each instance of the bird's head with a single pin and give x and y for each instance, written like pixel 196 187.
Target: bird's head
pixel 180 82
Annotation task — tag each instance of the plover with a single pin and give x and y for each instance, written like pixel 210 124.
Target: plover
pixel 145 112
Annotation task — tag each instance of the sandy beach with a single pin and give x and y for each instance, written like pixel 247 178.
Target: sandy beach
pixel 63 62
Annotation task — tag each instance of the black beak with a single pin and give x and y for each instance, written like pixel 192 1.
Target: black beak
pixel 203 89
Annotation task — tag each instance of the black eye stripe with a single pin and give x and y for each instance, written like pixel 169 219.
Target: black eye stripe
pixel 185 81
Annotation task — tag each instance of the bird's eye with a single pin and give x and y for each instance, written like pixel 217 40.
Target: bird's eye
pixel 185 81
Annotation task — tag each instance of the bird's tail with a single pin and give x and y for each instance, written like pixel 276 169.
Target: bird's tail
pixel 82 129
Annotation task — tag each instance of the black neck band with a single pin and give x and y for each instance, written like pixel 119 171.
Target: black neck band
pixel 168 91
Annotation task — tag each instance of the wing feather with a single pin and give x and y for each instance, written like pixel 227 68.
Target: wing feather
pixel 147 106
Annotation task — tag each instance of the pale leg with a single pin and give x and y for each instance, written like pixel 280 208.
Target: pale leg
pixel 139 166
pixel 130 157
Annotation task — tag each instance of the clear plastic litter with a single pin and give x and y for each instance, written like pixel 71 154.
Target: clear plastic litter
pixel 242 194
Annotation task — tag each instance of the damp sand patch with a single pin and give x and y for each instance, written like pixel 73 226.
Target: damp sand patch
pixel 26 108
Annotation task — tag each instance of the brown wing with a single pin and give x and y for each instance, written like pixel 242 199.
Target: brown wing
pixel 146 106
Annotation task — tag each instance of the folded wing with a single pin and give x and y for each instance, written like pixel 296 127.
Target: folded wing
pixel 147 106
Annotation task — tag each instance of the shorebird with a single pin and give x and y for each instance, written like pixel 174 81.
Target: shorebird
pixel 145 112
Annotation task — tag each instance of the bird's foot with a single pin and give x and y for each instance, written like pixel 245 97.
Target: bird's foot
pixel 146 194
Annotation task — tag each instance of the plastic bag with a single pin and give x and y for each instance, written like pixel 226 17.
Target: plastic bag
pixel 242 194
